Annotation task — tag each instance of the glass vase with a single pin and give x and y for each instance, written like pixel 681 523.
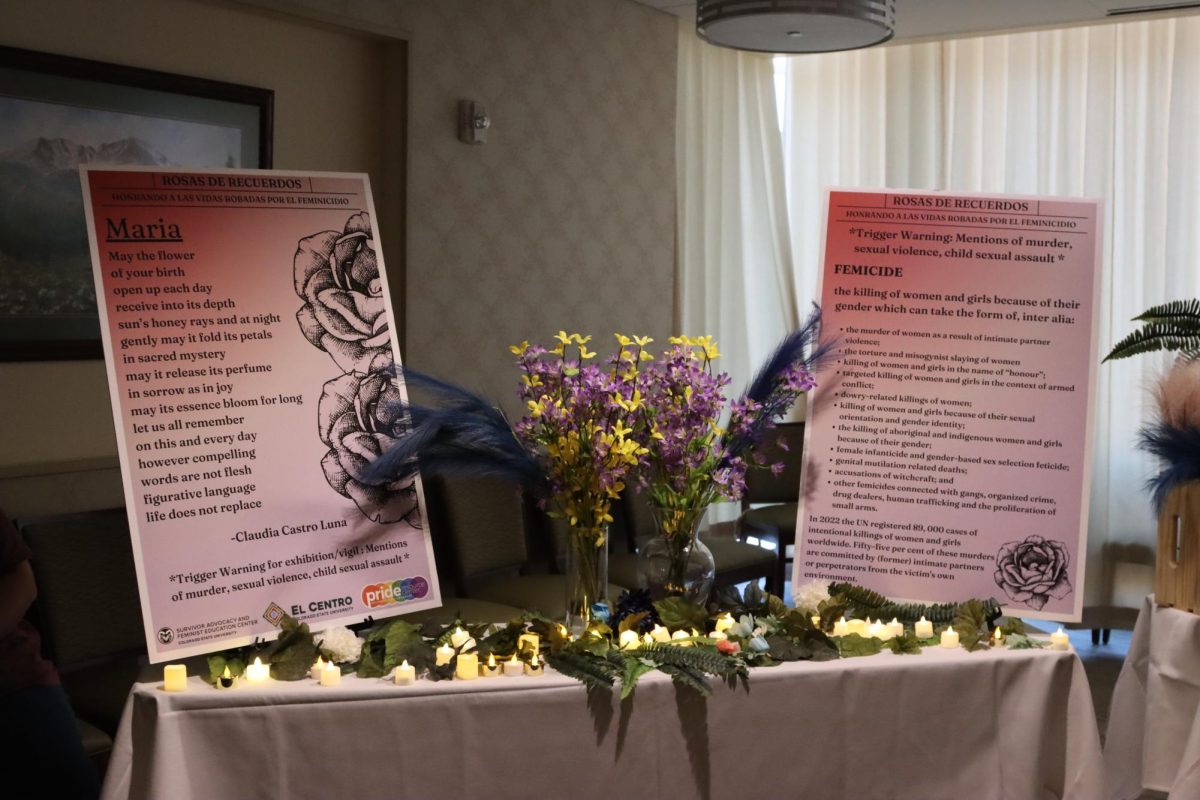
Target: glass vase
pixel 677 564
pixel 586 573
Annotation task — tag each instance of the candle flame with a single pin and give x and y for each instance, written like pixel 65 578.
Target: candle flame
pixel 533 662
pixel 922 618
pixel 226 674
pixel 491 661
pixel 257 661
pixel 513 660
pixel 998 635
pixel 404 664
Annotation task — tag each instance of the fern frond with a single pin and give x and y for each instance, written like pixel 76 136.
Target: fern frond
pixel 1172 335
pixel 686 677
pixel 862 602
pixel 1185 311
pixel 593 672
pixel 701 659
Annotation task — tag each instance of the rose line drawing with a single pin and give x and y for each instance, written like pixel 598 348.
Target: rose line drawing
pixel 337 276
pixel 344 314
pixel 1034 570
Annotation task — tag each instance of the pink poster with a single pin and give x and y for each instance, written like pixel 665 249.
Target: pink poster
pixel 250 344
pixel 948 455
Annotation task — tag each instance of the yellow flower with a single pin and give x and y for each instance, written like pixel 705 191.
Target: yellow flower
pixel 678 340
pixel 624 341
pixel 575 337
pixel 632 404
pixel 654 434
pixel 642 341
pixel 621 431
pixel 519 349
pixel 711 352
pixel 645 356
pixel 584 353
pixel 535 409
pixel 558 351
pixel 563 337
pixel 535 380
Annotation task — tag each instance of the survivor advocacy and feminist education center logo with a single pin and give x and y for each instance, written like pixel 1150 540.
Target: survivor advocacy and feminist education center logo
pixel 375 595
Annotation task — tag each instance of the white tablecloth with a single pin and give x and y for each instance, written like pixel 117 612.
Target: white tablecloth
pixel 1153 739
pixel 945 724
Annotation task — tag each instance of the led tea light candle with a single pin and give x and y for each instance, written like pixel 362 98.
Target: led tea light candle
pixel 816 621
pixel 491 669
pixel 718 635
pixel 528 642
pixel 174 678
pixel 876 630
pixel 405 674
pixel 331 674
pixel 258 672
pixel 858 626
pixel 998 639
pixel 443 654
pixel 1059 640
pixel 923 628
pixel 660 634
pixel 459 637
pixel 226 681
pixel 628 640
pixel 680 635
pixel 950 638
pixel 724 623
pixel 466 668
pixel 841 627
pixel 896 627
pixel 315 672
pixel 534 668
pixel 647 640
pixel 513 667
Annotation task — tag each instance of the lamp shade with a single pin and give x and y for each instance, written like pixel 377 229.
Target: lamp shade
pixel 795 26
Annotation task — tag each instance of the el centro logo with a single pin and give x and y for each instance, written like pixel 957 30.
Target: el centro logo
pixel 375 595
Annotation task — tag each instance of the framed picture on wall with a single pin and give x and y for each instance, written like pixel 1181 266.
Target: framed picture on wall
pixel 61 112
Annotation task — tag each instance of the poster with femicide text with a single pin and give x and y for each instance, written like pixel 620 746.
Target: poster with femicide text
pixel 251 356
pixel 948 448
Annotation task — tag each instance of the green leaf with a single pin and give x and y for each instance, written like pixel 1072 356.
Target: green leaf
pixel 906 645
pixel 755 598
pixel 676 613
pixel 370 663
pixel 795 622
pixel 692 679
pixel 217 662
pixel 832 610
pixel 1019 641
pixel 1172 335
pixel 632 621
pixel 971 625
pixel 854 645
pixel 1012 625
pixel 634 668
pixel 292 655
pixel 775 606
pixel 402 641
pixel 784 649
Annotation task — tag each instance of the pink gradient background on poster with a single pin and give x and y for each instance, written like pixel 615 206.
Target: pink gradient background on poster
pixel 1063 417
pixel 245 254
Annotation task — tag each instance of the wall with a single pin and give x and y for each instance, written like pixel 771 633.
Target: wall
pixel 329 114
pixel 566 217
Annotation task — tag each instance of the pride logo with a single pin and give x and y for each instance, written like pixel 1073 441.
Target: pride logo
pixel 375 595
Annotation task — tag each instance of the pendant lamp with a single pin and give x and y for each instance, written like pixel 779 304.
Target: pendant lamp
pixel 795 26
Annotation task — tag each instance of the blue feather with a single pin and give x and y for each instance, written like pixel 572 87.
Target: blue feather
pixel 462 435
pixel 792 351
pixel 1179 451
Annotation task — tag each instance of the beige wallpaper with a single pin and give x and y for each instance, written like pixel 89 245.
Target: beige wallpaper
pixel 566 217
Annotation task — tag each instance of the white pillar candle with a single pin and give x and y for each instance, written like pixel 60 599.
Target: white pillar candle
pixel 459 637
pixel 331 674
pixel 491 669
pixel 528 642
pixel 466 668
pixel 174 678
pixel 724 622
pixel 513 667
pixel 950 638
pixel 923 628
pixel 443 655
pixel 534 668
pixel 258 672
pixel 405 674
pixel 660 634
pixel 1059 640
pixel 841 627
pixel 628 639
pixel 315 672
pixel 896 627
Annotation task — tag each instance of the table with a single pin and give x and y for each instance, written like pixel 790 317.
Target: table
pixel 1153 737
pixel 1008 725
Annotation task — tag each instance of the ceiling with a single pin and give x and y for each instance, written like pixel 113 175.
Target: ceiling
pixel 917 19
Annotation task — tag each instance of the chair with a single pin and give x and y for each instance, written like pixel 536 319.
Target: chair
pixel 775 521
pixel 482 520
pixel 736 562
pixel 89 615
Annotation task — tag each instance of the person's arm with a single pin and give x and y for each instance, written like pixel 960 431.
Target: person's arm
pixel 17 593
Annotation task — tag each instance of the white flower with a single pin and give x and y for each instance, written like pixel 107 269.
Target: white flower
pixel 811 595
pixel 341 643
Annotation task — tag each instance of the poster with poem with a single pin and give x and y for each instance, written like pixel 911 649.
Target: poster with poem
pixel 250 346
pixel 948 449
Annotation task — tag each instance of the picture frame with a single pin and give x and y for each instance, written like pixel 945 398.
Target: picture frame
pixel 61 111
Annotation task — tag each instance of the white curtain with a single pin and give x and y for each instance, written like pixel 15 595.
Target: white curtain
pixel 1110 111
